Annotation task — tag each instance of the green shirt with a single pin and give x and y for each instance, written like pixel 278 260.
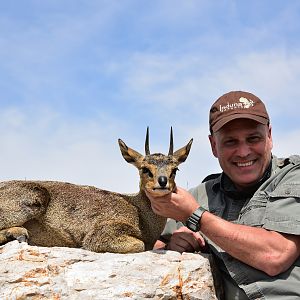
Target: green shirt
pixel 275 205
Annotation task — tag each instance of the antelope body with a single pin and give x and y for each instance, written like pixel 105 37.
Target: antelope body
pixel 51 213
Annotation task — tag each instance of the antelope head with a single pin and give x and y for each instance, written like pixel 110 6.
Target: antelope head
pixel 157 171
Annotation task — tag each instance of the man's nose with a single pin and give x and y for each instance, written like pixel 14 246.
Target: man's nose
pixel 243 150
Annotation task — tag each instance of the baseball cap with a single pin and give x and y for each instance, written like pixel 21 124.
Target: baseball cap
pixel 237 105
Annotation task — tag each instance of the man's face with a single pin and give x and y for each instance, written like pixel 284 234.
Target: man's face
pixel 243 148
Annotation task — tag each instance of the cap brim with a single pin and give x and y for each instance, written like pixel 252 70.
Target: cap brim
pixel 227 119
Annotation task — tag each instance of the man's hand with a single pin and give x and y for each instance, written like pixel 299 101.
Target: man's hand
pixel 185 240
pixel 178 205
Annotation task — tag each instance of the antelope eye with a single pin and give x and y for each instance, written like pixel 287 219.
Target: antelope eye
pixel 147 171
pixel 174 172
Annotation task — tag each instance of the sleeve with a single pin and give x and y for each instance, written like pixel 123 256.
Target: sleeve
pixel 200 194
pixel 283 207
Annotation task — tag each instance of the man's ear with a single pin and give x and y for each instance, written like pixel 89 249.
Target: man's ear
pixel 270 136
pixel 130 155
pixel 212 141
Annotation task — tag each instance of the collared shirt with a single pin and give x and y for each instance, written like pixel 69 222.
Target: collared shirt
pixel 273 206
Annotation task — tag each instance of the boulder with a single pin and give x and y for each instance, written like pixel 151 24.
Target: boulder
pixel 30 272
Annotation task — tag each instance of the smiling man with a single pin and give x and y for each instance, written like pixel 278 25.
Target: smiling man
pixel 249 215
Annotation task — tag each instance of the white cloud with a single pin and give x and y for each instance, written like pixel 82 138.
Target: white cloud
pixel 274 72
pixel 42 145
pixel 177 75
pixel 188 80
pixel 286 143
pixel 57 149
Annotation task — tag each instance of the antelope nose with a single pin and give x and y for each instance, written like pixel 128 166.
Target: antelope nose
pixel 162 180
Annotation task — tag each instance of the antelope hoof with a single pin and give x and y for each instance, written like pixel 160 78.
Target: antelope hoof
pixel 22 238
pixel 14 233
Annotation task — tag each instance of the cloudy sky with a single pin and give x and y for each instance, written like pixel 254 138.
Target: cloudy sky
pixel 77 75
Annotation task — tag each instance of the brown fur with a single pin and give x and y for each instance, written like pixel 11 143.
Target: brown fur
pixel 50 213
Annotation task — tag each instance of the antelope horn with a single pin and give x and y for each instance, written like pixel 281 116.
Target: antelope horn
pixel 147 151
pixel 171 142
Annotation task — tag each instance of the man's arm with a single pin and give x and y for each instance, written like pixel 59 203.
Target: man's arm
pixel 268 251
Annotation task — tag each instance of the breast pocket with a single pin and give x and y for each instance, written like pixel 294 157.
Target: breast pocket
pixel 284 203
pixel 254 212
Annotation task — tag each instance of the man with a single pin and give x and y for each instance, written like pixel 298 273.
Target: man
pixel 250 213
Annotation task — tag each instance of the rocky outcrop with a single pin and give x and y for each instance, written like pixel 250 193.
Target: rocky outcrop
pixel 29 272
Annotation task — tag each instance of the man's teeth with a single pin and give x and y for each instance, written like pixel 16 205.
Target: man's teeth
pixel 245 164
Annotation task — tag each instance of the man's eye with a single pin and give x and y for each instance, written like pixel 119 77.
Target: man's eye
pixel 254 139
pixel 147 171
pixel 230 143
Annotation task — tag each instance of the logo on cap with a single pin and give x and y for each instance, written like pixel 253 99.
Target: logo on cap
pixel 243 103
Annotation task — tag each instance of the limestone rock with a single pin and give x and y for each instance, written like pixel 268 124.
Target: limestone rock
pixel 29 272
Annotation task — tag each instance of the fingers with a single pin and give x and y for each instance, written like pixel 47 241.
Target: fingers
pixel 199 238
pixel 157 202
pixel 159 245
pixel 178 206
pixel 185 240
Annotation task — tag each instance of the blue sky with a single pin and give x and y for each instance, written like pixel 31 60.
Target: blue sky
pixel 77 75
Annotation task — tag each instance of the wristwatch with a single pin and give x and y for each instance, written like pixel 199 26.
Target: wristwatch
pixel 193 222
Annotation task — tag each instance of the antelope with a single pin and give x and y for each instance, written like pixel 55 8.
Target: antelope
pixel 52 213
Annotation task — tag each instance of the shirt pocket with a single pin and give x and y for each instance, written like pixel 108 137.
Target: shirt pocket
pixel 286 190
pixel 283 204
pixel 254 212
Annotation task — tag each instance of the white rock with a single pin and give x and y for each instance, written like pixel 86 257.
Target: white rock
pixel 29 272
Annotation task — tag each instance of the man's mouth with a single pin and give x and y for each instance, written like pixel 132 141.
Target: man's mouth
pixel 245 164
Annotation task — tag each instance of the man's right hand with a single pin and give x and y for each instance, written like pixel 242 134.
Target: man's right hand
pixel 185 240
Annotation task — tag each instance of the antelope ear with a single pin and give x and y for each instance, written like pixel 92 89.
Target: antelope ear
pixel 182 154
pixel 130 155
